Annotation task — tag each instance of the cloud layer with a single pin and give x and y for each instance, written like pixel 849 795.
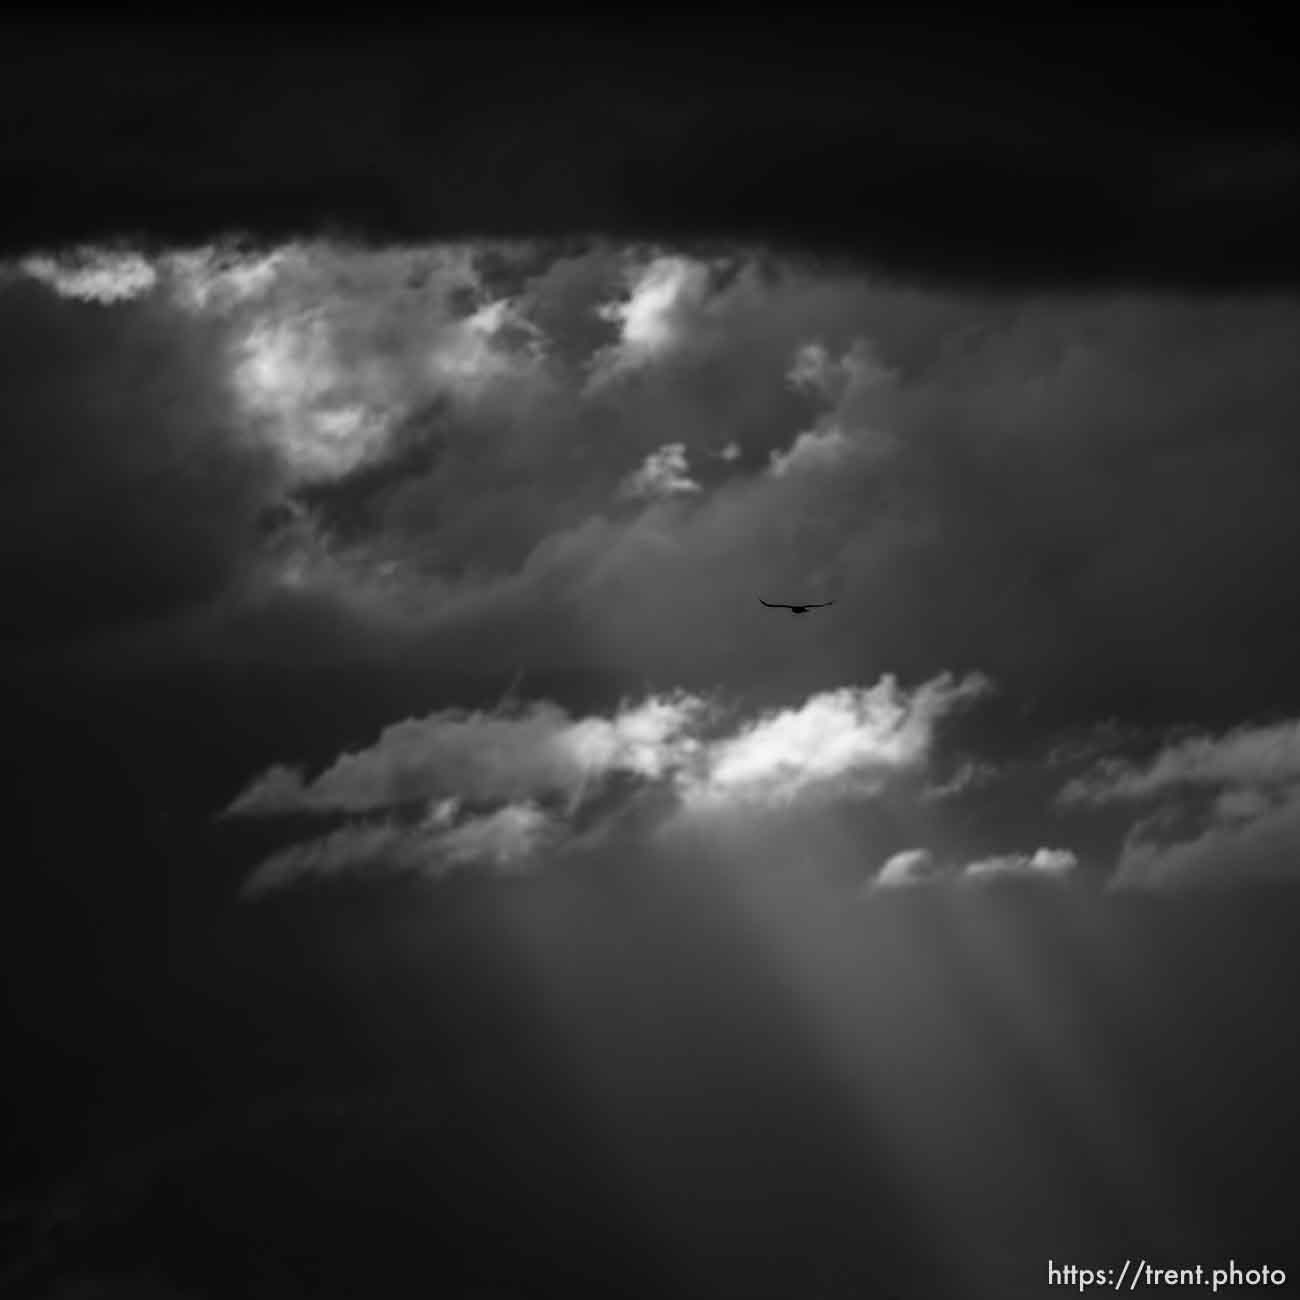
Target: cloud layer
pixel 423 470
pixel 500 789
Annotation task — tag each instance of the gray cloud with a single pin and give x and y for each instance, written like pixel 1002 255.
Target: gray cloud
pixel 1091 741
pixel 1230 848
pixel 969 775
pixel 1224 807
pixel 811 451
pixel 1245 757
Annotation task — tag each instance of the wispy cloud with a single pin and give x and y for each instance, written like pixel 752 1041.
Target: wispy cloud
pixel 508 839
pixel 970 775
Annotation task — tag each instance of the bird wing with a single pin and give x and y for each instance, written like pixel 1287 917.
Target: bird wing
pixel 769 604
pixel 821 606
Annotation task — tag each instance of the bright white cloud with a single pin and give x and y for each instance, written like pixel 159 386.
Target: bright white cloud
pixel 663 473
pixel 94 274
pixel 292 384
pixel 648 740
pixel 1046 862
pixel 333 354
pixel 845 741
pixel 657 294
pixel 653 319
pixel 202 279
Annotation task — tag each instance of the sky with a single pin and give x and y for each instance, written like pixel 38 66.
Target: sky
pixel 429 859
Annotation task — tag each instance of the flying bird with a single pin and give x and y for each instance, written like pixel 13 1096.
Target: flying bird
pixel 795 609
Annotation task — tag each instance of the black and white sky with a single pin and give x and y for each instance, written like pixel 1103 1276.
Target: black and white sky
pixel 429 860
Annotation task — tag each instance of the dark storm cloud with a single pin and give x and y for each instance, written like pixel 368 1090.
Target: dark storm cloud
pixel 1148 148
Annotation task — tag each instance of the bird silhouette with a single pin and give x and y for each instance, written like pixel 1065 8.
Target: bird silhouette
pixel 795 609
